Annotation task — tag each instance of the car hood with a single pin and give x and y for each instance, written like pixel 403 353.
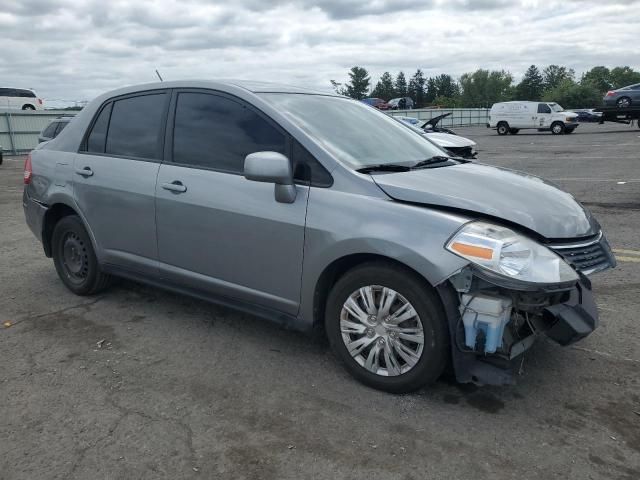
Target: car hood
pixel 448 140
pixel 504 194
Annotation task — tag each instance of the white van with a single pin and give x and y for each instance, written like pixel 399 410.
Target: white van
pixel 511 117
pixel 21 98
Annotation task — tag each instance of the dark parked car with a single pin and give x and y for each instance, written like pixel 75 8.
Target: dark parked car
pixel 402 103
pixel 53 129
pixel 623 97
pixel 379 103
pixel 588 115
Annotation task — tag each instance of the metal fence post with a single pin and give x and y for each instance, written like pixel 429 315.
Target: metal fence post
pixel 12 138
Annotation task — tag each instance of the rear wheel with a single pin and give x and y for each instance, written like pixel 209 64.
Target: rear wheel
pixel 28 107
pixel 75 259
pixel 503 128
pixel 387 327
pixel 624 102
pixel 557 128
pixel 514 131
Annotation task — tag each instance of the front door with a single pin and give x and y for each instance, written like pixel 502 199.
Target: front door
pixel 543 118
pixel 115 179
pixel 217 231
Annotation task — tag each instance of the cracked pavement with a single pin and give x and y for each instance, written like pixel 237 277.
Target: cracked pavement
pixel 137 383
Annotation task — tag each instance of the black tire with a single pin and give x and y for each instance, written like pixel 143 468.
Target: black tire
pixel 557 128
pixel 502 128
pixel 425 301
pixel 624 102
pixel 28 107
pixel 75 259
pixel 514 131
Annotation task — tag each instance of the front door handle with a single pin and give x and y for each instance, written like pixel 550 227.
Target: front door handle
pixel 175 186
pixel 85 172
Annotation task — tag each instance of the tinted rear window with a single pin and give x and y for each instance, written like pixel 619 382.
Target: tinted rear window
pixel 135 126
pixel 216 132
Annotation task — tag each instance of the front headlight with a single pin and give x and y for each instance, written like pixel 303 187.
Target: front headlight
pixel 507 253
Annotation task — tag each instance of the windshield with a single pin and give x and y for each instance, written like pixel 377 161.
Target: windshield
pixel 556 108
pixel 352 132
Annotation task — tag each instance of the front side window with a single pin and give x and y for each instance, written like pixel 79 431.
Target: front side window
pixel 135 126
pixel 216 132
pixel 544 108
pixel 352 132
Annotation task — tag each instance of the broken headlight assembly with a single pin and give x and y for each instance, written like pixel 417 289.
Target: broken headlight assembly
pixel 509 258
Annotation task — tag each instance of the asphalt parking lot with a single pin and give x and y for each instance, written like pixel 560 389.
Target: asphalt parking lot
pixel 139 383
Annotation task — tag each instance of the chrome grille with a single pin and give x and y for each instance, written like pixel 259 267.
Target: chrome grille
pixel 588 256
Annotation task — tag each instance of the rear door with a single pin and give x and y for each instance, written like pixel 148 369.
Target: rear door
pixel 115 179
pixel 218 232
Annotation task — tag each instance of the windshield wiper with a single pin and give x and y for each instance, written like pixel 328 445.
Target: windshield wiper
pixel 431 161
pixel 384 167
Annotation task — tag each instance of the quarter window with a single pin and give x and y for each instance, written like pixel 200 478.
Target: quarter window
pixel 134 128
pixel 216 132
pixel 50 131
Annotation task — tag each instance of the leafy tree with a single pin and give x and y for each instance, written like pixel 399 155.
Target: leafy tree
pixel 597 77
pixel 554 74
pixel 623 76
pixel 338 87
pixel 384 88
pixel 483 88
pixel 416 88
pixel 359 81
pixel 446 86
pixel 448 102
pixel 400 85
pixel 531 86
pixel 570 94
pixel 431 90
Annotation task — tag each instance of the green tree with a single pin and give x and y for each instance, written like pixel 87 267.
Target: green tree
pixel 400 85
pixel 338 87
pixel 531 86
pixel 597 77
pixel 416 88
pixel 431 90
pixel 359 81
pixel 446 86
pixel 554 74
pixel 570 94
pixel 483 88
pixel 448 102
pixel 623 76
pixel 384 88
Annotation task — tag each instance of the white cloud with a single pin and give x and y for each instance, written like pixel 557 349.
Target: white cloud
pixel 76 49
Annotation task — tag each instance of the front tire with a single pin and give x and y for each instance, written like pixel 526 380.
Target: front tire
pixel 503 128
pixel 387 326
pixel 557 128
pixel 75 259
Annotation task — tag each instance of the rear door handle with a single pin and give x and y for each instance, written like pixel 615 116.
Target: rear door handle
pixel 175 186
pixel 85 172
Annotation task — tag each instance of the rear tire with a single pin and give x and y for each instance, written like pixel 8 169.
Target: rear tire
pixel 75 259
pixel 557 128
pixel 28 107
pixel 502 128
pixel 387 358
pixel 514 131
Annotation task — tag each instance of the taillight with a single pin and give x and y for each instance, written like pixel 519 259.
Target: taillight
pixel 39 101
pixel 610 93
pixel 28 170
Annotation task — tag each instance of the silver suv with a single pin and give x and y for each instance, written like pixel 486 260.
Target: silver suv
pixel 312 209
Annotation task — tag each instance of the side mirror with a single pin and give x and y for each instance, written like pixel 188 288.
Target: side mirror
pixel 272 167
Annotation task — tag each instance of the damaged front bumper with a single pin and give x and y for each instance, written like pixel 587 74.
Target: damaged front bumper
pixel 565 314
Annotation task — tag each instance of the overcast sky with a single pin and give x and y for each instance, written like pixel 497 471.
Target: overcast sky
pixel 76 49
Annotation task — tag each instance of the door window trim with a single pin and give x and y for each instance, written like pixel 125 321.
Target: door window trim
pixel 161 137
pixel 289 139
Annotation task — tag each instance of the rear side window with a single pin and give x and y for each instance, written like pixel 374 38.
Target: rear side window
pixel 216 132
pixel 25 93
pixel 50 131
pixel 4 92
pixel 544 108
pixel 98 135
pixel 135 125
